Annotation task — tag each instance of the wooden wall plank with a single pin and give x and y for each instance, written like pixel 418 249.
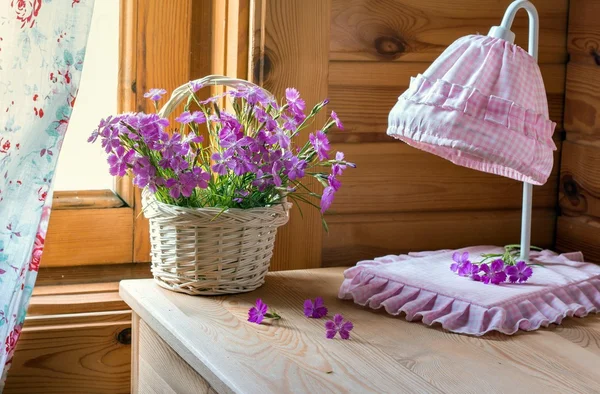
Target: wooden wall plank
pixel 171 36
pixel 126 87
pixel 365 236
pixel 416 30
pixel 363 93
pixel 581 233
pixel 387 74
pixel 579 198
pixel 582 103
pixel 238 39
pixel 87 236
pixel 163 36
pixel 201 41
pixel 291 48
pixel 580 180
pixel 71 358
pixel 583 42
pixel 394 177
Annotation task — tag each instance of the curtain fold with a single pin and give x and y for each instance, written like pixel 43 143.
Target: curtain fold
pixel 42 49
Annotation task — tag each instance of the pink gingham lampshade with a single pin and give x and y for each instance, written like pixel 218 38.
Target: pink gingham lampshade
pixel 482 105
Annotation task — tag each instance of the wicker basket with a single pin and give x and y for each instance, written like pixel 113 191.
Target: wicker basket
pixel 205 251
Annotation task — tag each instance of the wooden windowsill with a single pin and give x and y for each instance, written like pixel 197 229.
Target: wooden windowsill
pixel 87 199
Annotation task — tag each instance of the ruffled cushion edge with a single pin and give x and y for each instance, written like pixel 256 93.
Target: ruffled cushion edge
pixel 459 316
pixel 472 102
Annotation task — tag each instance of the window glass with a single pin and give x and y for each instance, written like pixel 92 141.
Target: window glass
pixel 82 166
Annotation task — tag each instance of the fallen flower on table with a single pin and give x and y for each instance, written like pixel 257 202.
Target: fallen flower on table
pixel 257 313
pixel 316 309
pixel 336 325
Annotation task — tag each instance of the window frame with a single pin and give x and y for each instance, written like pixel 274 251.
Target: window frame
pixel 104 227
pixel 163 44
pixel 91 227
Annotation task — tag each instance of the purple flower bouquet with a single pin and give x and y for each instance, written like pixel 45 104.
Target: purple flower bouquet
pixel 251 159
pixel 221 176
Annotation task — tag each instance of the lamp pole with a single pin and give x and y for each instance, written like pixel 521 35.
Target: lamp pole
pixel 503 31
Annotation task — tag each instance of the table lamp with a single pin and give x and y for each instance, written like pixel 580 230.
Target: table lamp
pixel 482 104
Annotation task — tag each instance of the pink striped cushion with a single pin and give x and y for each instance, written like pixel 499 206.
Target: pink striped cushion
pixel 422 286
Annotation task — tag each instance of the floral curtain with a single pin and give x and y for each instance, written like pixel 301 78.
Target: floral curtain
pixel 42 47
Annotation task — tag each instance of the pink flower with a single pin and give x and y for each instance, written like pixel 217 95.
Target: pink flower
pixel 327 198
pixel 518 273
pixel 493 273
pixel 320 143
pixel 336 325
pixel 36 256
pixel 315 310
pixel 337 120
pixel 12 339
pixel 195 86
pixel 470 270
pixel 187 117
pixel 42 193
pixel 26 10
pixel 155 94
pixel 459 260
pixel 256 314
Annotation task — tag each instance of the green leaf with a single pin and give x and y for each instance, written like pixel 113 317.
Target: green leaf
pixel 64 112
pixel 68 57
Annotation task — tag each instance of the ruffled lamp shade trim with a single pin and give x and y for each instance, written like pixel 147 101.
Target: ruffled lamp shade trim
pixel 496 110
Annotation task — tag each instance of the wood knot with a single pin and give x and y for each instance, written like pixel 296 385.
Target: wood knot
pixel 570 187
pixel 596 56
pixel 124 336
pixel 262 68
pixel 391 47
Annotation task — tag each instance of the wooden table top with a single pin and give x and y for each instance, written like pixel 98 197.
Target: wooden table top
pixel 385 353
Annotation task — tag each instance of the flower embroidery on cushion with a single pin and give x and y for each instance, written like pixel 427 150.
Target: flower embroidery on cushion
pixel 27 10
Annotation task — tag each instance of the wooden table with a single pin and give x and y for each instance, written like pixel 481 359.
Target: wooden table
pixel 188 344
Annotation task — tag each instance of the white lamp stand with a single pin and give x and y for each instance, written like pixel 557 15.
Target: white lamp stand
pixel 503 31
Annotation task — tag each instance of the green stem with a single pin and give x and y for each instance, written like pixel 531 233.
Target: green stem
pixel 272 315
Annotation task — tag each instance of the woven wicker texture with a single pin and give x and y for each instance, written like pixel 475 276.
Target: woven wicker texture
pixel 204 251
pixel 208 251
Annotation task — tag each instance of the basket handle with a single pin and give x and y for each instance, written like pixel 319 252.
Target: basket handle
pixel 180 93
